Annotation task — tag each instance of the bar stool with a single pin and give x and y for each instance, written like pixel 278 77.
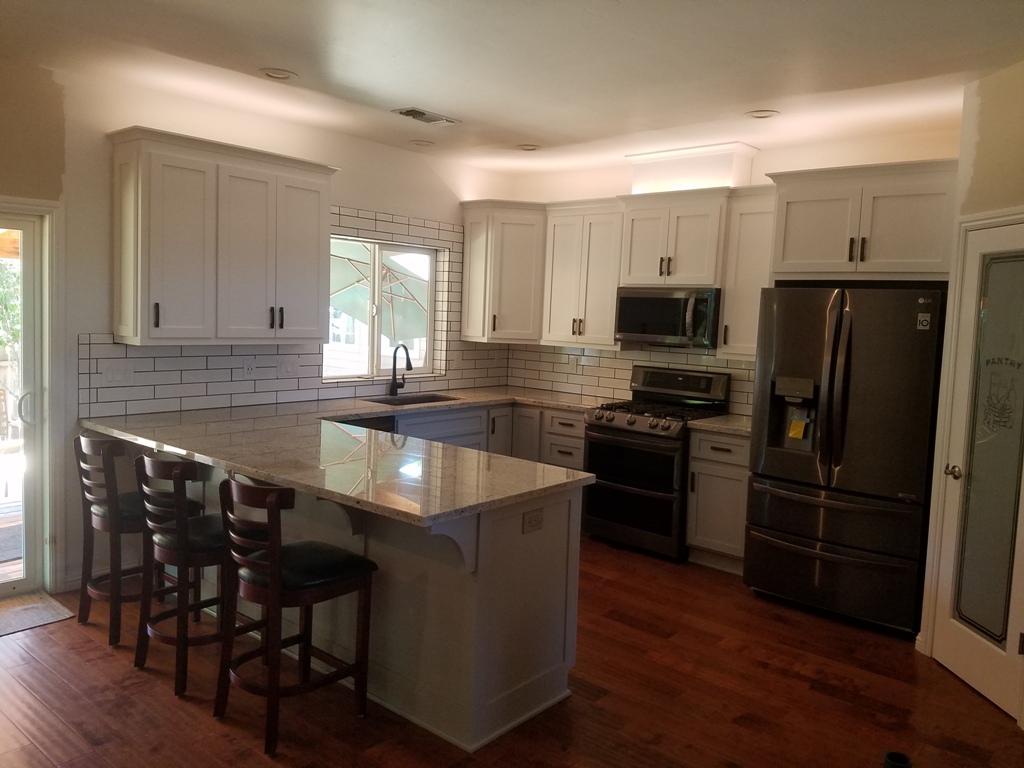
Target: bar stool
pixel 177 533
pixel 275 575
pixel 105 509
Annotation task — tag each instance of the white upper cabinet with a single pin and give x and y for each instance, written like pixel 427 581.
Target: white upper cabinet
pixel 271 261
pixel 502 271
pixel 217 244
pixel 582 273
pixel 672 238
pixel 888 219
pixel 746 269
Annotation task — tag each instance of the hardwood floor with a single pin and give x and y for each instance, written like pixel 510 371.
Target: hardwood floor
pixel 678 665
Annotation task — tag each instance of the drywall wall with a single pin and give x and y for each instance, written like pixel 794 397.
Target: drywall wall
pixel 31 134
pixel 992 149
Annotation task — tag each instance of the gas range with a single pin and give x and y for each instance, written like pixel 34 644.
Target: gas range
pixel 663 401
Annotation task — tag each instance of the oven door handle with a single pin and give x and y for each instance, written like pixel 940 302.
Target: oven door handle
pixel 662 445
pixel 632 489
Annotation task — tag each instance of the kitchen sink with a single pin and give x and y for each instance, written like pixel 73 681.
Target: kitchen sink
pixel 413 398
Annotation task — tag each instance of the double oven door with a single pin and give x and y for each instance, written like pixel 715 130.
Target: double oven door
pixel 638 498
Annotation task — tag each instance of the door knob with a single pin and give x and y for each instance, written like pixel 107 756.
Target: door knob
pixel 953 471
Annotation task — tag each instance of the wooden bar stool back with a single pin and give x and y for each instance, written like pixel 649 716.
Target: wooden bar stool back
pixel 274 575
pixel 180 535
pixel 106 509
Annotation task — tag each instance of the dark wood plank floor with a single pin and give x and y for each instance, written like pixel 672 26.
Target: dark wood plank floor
pixel 678 665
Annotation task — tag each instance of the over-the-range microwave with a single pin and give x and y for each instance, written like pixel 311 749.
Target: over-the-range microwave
pixel 676 317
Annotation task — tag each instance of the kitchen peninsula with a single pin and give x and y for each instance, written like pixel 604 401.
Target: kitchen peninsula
pixel 473 627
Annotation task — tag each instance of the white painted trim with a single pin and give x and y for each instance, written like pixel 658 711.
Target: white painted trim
pixel 54 340
pixel 968 224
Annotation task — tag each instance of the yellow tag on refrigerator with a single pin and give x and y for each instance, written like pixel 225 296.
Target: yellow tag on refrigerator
pixel 797 428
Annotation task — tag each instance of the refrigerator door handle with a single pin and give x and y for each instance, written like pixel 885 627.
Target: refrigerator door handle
pixel 839 396
pixel 831 503
pixel 818 554
pixel 825 395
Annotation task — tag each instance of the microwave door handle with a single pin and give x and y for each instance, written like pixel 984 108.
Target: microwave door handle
pixel 691 301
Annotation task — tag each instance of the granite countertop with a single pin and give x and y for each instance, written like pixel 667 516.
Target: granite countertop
pixel 731 424
pixel 417 481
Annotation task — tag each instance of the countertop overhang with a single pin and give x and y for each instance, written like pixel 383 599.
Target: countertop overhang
pixel 300 445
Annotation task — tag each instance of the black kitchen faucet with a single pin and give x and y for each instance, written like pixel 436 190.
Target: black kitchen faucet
pixel 395 384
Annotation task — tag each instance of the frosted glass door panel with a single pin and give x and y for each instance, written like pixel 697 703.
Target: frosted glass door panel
pixel 992 498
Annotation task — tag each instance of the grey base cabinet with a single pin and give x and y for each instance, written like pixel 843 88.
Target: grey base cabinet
pixel 716 504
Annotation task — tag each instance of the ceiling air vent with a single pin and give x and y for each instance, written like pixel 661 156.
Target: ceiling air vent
pixel 431 118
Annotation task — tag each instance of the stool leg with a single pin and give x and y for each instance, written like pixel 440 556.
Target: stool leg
pixel 306 633
pixel 84 601
pixel 229 610
pixel 115 589
pixel 273 676
pixel 145 600
pixel 197 591
pixel 362 646
pixel 181 630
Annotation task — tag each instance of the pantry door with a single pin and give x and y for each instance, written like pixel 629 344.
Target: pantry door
pixel 980 600
pixel 21 539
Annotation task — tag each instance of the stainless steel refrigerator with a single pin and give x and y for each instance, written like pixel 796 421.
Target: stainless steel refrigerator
pixel 841 448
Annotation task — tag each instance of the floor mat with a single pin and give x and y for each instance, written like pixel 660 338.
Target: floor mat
pixel 21 612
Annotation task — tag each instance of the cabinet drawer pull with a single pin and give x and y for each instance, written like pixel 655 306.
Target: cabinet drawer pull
pixel 156 314
pixel 271 318
pixel 721 449
pixel 863 248
pixel 661 267
pixel 567 424
pixel 565 453
pixel 849 255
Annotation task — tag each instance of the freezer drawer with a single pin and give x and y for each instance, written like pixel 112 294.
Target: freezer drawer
pixel 875 588
pixel 887 527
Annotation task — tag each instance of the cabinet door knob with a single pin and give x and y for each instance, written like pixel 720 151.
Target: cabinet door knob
pixel 953 471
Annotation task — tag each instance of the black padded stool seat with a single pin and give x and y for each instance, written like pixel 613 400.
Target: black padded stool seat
pixel 275 575
pixel 177 534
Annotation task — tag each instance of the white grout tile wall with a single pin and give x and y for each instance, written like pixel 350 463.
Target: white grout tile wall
pixel 118 379
pixel 603 375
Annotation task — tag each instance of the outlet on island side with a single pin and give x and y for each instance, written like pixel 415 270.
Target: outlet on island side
pixel 533 520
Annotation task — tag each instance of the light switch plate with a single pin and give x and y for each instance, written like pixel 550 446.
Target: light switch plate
pixel 119 371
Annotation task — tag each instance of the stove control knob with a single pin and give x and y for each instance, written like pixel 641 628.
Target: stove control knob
pixel 666 425
pixel 652 424
pixel 631 419
pixel 598 415
pixel 610 417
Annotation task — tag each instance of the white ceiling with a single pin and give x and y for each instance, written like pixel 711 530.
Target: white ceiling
pixel 589 81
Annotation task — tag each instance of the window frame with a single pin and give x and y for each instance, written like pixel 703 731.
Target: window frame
pixel 374 314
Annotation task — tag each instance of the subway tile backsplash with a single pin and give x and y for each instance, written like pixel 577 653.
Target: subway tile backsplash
pixel 117 379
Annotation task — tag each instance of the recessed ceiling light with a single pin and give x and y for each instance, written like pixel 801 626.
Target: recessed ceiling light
pixel 421 143
pixel 273 73
pixel 528 147
pixel 761 114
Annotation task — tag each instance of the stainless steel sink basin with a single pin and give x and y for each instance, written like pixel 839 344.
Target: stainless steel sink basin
pixel 413 398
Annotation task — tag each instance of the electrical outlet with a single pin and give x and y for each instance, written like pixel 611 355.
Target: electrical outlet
pixel 117 371
pixel 574 363
pixel 288 365
pixel 249 367
pixel 533 520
